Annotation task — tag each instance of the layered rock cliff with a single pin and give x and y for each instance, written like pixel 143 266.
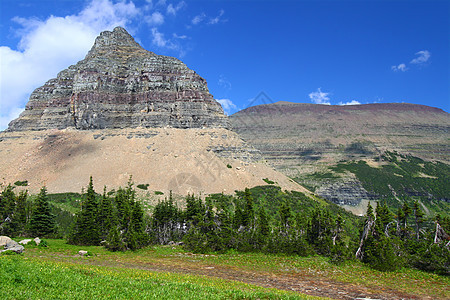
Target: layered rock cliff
pixel 121 85
pixel 305 141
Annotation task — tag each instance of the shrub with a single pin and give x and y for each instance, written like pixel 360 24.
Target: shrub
pixel 268 181
pixel 143 186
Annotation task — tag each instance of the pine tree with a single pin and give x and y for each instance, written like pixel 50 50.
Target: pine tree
pixel 42 221
pixel 87 227
pixel 105 215
pixel 248 213
pixel 7 206
pixel 418 217
pixel 19 221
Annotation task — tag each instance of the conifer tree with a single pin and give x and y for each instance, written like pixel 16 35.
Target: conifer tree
pixel 248 213
pixel 7 205
pixel 105 215
pixel 418 217
pixel 87 231
pixel 42 221
pixel 19 221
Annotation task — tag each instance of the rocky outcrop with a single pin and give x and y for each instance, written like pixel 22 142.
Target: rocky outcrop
pixel 121 85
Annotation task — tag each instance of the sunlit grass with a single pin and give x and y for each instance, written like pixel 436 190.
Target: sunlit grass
pixel 23 278
pixel 408 281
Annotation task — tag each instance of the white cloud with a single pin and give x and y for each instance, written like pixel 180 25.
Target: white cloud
pixel 400 67
pixel 228 106
pixel 198 18
pixel 216 19
pixel 423 57
pixel 161 41
pixel 48 46
pixel 181 37
pixel 353 102
pixel 172 10
pixel 212 21
pixel 320 97
pixel 155 19
pixel 158 38
pixel 223 82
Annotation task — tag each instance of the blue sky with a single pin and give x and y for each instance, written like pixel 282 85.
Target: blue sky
pixel 330 52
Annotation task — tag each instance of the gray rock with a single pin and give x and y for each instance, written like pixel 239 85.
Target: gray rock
pixel 4 240
pixel 13 246
pixel 121 85
pixel 24 242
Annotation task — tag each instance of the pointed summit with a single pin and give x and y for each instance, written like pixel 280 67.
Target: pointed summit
pixel 112 41
pixel 121 85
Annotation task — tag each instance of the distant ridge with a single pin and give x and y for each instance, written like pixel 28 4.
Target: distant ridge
pixel 304 140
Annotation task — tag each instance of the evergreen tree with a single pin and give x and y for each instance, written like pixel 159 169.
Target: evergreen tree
pixel 248 213
pixel 105 215
pixel 42 221
pixel 7 206
pixel 418 217
pixel 19 220
pixel 87 227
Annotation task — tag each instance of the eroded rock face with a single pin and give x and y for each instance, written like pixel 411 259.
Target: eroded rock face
pixel 121 85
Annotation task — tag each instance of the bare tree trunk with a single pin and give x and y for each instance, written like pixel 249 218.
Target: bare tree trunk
pixel 367 229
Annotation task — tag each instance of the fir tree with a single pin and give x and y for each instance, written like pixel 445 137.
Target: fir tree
pixel 42 221
pixel 418 217
pixel 19 220
pixel 87 230
pixel 7 205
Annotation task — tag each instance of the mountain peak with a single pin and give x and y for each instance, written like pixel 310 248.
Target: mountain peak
pixel 111 41
pixel 119 84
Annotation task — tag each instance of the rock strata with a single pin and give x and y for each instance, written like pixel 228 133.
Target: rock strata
pixel 121 85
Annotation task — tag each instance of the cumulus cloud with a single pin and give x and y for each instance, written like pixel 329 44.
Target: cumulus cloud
pixel 48 46
pixel 400 67
pixel 319 97
pixel 228 106
pixel 172 10
pixel 353 102
pixel 423 57
pixel 155 19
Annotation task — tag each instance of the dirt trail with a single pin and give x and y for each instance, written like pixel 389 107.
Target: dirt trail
pixel 299 282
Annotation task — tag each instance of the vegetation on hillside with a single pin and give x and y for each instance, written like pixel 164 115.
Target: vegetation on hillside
pixel 404 178
pixel 262 219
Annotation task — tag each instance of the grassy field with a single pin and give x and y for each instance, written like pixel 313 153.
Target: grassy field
pixel 171 273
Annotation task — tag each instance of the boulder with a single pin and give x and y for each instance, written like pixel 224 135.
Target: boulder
pixel 13 246
pixel 4 240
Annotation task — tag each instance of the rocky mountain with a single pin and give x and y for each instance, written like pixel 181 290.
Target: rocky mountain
pixel 305 141
pixel 121 85
pixel 126 111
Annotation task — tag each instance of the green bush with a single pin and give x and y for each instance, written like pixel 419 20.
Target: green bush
pixel 143 186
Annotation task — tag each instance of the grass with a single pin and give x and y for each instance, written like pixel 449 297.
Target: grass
pixel 57 272
pixel 33 279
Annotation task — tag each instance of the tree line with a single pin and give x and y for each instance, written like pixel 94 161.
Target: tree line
pixel 262 219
